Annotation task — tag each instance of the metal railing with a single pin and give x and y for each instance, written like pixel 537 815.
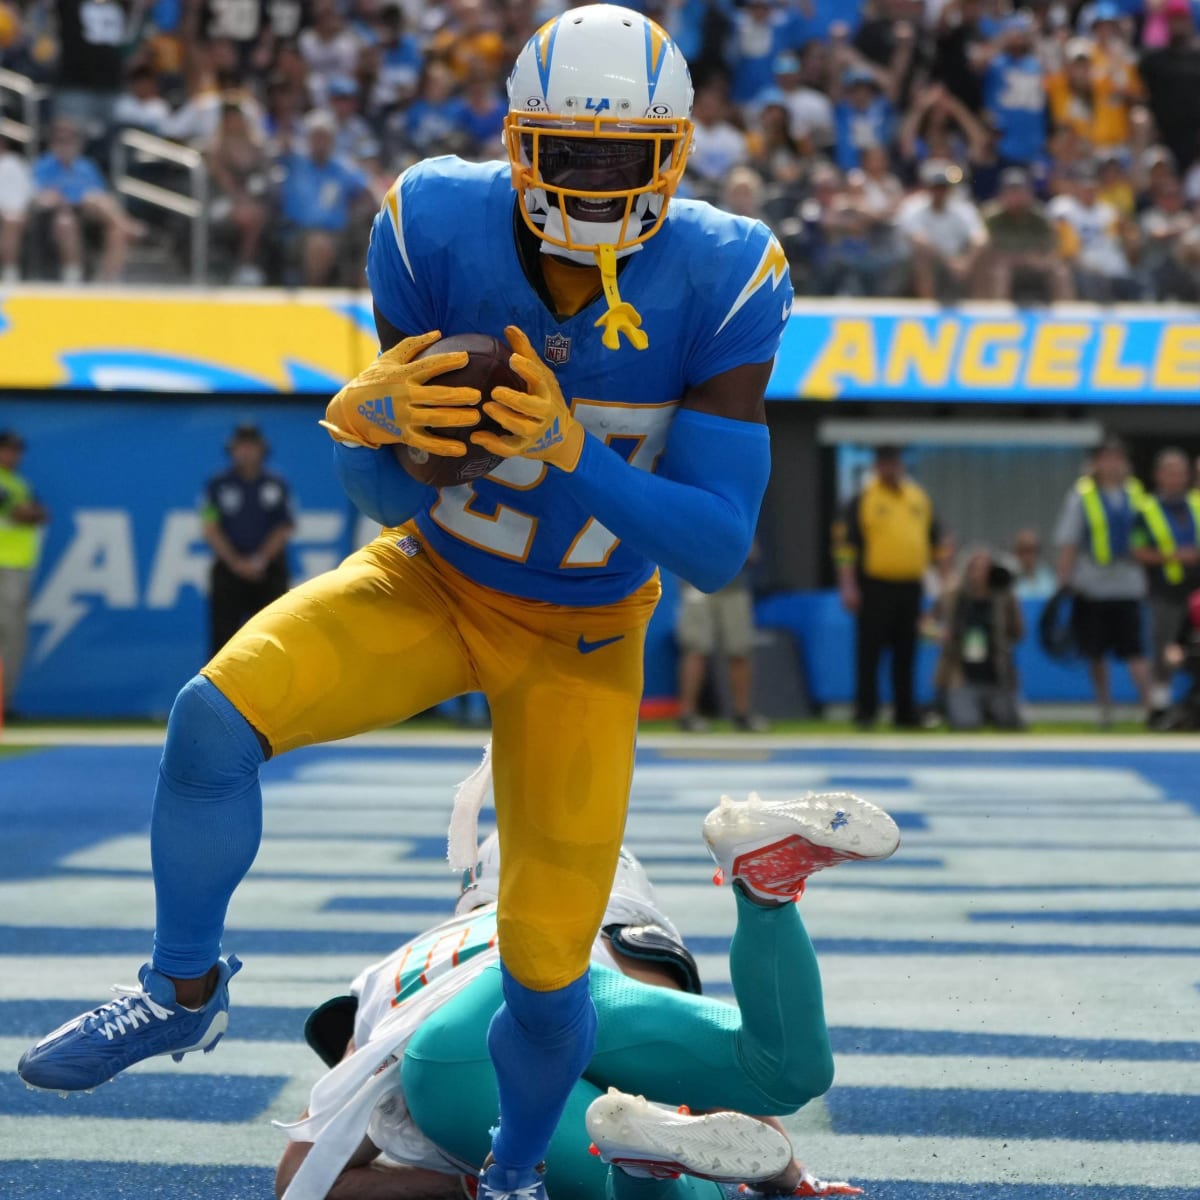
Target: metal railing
pixel 29 94
pixel 192 205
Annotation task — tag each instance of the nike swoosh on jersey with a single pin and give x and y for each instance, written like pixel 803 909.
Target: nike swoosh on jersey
pixel 586 647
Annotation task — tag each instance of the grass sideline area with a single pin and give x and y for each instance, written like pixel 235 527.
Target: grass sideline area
pixel 809 728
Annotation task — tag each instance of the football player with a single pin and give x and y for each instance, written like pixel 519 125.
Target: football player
pixel 410 1073
pixel 644 330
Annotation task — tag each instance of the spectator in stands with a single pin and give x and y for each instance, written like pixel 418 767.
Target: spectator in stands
pixel 1022 255
pixel 1034 578
pixel 1094 94
pixel 469 34
pixel 329 49
pixel 945 234
pixel 760 29
pixel 1166 541
pixel 1014 92
pixel 704 623
pixel 883 190
pixel 16 196
pixel 239 168
pixel 248 521
pixel 434 123
pixel 981 623
pixel 140 106
pixel 399 61
pixel 777 156
pixel 283 120
pixel 717 144
pixel 803 81
pixel 21 519
pixel 318 195
pixel 1116 184
pixel 1095 559
pixel 354 143
pixel 743 193
pixel 483 113
pixel 91 71
pixel 806 238
pixel 1163 227
pixel 1094 239
pixel 884 541
pixel 71 196
pixel 957 36
pixel 1171 74
pixel 863 253
pixel 863 116
pixel 196 120
pixel 939 126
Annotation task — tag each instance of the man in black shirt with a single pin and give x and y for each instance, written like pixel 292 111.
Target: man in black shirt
pixel 92 36
pixel 1172 78
pixel 247 522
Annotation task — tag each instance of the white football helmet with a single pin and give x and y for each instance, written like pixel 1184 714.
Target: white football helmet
pixel 481 884
pixel 598 129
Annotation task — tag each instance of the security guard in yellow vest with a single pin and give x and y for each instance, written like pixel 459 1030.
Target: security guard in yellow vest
pixel 1166 541
pixel 20 516
pixel 1095 559
pixel 883 544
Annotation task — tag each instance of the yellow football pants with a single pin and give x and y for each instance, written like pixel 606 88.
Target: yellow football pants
pixel 386 636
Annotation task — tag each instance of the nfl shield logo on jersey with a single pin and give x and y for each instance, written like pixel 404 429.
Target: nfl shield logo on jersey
pixel 558 349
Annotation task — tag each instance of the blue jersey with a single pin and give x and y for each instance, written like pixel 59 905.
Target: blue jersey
pixel 713 291
pixel 1014 93
pixel 856 129
pixel 74 183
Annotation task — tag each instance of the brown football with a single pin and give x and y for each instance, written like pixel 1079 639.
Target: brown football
pixel 487 367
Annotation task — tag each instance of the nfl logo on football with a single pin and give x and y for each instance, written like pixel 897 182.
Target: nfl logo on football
pixel 558 349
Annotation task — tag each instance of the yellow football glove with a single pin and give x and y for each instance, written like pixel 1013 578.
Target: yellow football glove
pixel 391 402
pixel 539 423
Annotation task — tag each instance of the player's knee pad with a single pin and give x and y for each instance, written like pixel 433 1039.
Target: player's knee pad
pixel 210 746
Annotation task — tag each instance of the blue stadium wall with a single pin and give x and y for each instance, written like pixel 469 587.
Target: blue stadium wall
pixel 127 398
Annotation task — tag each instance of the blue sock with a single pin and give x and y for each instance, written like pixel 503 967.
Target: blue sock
pixel 205 828
pixel 540 1043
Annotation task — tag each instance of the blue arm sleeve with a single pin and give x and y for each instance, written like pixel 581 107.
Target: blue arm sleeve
pixel 378 485
pixel 696 516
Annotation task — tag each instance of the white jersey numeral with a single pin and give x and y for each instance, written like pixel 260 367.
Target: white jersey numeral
pixel 637 431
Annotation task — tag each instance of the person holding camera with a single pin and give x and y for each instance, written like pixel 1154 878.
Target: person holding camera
pixel 1166 541
pixel 981 623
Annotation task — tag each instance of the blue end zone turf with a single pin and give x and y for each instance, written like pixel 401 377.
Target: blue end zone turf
pixel 166 1097
pixel 929 979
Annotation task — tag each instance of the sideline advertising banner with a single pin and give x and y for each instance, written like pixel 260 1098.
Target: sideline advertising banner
pixel 276 342
pixel 118 616
pixel 996 355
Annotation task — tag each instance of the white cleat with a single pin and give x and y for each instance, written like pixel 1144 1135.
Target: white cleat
pixel 773 846
pixel 659 1142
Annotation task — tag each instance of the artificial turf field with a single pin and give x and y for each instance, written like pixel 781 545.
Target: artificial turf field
pixel 1014 998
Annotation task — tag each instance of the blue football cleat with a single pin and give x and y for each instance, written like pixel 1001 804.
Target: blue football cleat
pixel 498 1183
pixel 142 1022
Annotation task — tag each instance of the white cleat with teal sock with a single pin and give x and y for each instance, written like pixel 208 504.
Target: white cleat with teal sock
pixel 772 846
pixel 659 1142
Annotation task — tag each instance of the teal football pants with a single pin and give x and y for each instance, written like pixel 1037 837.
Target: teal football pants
pixel 768 1056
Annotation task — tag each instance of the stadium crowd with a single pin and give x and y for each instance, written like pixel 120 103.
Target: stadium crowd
pixel 934 148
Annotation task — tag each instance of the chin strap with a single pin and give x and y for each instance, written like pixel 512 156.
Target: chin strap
pixel 621 317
